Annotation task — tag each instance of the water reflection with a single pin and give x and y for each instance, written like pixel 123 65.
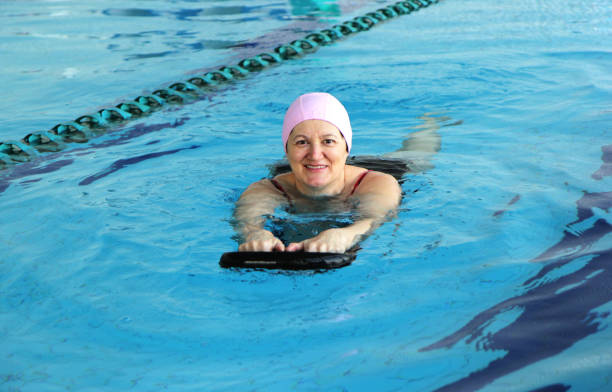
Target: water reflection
pixel 315 7
pixel 130 12
pixel 279 11
pixel 556 313
pixel 275 11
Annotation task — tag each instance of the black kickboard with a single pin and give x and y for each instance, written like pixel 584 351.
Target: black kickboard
pixel 286 260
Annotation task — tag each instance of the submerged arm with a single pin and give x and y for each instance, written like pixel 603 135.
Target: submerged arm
pixel 257 201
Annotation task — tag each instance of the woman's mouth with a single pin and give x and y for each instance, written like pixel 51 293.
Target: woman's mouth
pixel 315 167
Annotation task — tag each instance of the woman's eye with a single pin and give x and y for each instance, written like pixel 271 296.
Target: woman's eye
pixel 329 141
pixel 300 142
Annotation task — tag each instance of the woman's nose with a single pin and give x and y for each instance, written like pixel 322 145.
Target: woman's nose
pixel 315 151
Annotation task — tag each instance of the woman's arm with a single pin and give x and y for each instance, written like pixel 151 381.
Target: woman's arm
pixel 377 196
pixel 258 200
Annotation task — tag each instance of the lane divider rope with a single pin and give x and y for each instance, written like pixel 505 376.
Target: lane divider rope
pixel 89 126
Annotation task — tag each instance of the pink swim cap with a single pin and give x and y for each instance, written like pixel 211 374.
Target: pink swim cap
pixel 318 106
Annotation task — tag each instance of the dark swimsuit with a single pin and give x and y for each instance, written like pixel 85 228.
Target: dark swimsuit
pixel 278 186
pixel 291 228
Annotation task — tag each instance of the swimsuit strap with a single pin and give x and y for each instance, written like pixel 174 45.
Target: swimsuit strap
pixel 359 181
pixel 278 186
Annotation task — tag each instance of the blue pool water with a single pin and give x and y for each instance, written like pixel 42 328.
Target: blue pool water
pixel 495 275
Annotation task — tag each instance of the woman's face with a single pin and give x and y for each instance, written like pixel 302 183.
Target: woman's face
pixel 317 154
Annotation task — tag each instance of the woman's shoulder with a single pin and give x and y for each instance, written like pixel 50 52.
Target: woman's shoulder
pixel 368 181
pixel 263 186
pixel 357 172
pixel 285 180
pixel 266 188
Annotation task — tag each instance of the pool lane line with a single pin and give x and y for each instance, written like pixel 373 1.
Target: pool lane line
pixel 88 126
pixel 288 32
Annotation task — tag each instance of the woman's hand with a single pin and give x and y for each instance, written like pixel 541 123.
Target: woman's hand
pixel 261 241
pixel 331 240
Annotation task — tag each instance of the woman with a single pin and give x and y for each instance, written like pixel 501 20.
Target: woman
pixel 317 138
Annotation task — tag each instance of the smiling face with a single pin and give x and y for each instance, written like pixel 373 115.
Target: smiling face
pixel 317 154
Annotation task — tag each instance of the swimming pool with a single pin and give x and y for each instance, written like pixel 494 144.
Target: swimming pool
pixel 495 274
